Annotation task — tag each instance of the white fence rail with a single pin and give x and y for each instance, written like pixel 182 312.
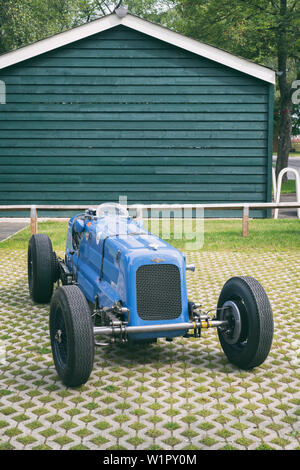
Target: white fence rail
pixel 139 208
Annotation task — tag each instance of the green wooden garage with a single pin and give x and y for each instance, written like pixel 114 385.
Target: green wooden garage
pixel 121 106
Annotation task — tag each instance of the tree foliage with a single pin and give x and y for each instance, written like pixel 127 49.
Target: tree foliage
pixel 265 31
pixel 25 21
pixel 248 28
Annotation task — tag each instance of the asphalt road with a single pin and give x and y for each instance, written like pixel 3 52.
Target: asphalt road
pixel 294 162
pixel 8 228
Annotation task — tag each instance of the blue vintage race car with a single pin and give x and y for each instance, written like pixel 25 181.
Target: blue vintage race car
pixel 120 281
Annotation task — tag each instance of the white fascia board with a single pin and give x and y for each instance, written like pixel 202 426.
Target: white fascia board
pixel 58 40
pixel 199 48
pixel 143 26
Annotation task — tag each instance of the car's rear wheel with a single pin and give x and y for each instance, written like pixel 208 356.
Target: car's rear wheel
pixel 41 268
pixel 247 339
pixel 72 336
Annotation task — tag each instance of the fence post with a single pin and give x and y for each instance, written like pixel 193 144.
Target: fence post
pixel 139 213
pixel 245 230
pixel 33 221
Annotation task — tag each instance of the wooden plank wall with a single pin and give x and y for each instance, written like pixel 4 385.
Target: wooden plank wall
pixel 123 113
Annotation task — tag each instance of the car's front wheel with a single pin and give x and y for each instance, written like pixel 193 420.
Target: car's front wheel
pixel 72 335
pixel 247 338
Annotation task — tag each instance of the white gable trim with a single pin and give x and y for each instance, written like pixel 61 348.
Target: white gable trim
pixel 58 40
pixel 200 48
pixel 143 26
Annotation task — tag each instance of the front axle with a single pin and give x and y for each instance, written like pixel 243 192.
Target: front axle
pixel 122 328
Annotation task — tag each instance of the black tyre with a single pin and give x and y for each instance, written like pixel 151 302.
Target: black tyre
pixel 41 270
pixel 245 305
pixel 55 267
pixel 72 336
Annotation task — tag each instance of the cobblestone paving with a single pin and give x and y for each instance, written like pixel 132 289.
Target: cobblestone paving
pixel 179 395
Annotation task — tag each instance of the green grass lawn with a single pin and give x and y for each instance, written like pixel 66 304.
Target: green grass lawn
pixel 296 148
pixel 294 154
pixel 291 154
pixel 219 235
pixel 288 187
